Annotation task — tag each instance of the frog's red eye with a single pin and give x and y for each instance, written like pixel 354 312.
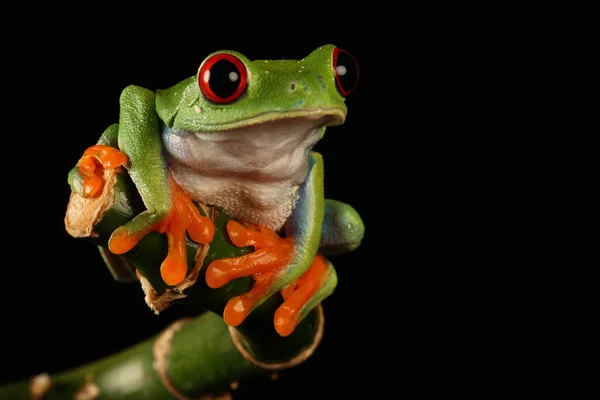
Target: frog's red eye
pixel 345 70
pixel 222 78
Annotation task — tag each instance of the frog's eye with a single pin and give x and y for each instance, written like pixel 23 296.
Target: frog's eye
pixel 345 70
pixel 222 78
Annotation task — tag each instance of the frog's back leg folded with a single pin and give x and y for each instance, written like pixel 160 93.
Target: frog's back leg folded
pixel 135 143
pixel 343 229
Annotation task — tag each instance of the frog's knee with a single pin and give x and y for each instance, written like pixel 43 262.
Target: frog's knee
pixel 343 229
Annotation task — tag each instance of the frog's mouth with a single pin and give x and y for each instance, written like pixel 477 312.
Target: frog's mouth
pixel 321 116
pixel 328 116
pixel 274 131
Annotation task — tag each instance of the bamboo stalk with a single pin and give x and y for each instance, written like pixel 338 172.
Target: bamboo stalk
pixel 191 359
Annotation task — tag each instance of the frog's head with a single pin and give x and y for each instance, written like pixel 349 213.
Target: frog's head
pixel 230 91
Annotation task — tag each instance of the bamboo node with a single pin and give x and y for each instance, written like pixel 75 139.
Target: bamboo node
pixel 88 390
pixel 161 350
pixel 292 362
pixel 39 386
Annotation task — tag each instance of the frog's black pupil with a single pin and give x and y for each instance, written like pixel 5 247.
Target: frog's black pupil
pixel 224 78
pixel 346 70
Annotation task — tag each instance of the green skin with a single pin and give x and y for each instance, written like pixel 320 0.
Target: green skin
pixel 277 91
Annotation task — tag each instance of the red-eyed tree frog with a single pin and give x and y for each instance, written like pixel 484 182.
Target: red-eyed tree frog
pixel 237 135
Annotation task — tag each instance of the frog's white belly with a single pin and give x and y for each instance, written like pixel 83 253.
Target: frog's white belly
pixel 253 173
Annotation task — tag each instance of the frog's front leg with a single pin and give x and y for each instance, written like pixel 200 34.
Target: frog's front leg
pixel 169 209
pixel 291 263
pixel 342 231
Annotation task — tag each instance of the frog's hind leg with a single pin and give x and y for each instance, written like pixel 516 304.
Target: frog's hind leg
pixel 343 229
pixel 294 264
pixel 276 261
pixel 304 294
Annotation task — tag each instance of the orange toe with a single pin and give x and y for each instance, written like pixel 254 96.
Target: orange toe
pixel 297 295
pixel 239 307
pixel 286 320
pixel 271 255
pixel 92 164
pixel 173 270
pixel 184 216
pixel 121 242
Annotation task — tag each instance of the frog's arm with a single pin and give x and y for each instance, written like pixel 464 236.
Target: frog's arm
pixel 168 209
pixel 292 263
pixel 139 139
pixel 306 221
pixel 340 230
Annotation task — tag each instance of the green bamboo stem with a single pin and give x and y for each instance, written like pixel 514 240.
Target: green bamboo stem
pixel 194 358
pixel 204 356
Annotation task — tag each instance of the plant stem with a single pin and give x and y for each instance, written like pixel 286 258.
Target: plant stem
pixel 189 359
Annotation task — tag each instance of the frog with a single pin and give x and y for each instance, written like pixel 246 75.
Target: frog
pixel 239 135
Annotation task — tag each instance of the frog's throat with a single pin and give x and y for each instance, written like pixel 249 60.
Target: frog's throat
pixel 329 116
pixel 252 171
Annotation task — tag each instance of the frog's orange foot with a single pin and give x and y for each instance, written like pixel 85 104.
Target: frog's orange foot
pixel 297 295
pixel 183 216
pixel 92 164
pixel 266 265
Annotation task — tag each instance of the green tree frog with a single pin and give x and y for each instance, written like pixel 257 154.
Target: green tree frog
pixel 237 135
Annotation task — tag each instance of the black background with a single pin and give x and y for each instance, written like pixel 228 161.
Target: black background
pixel 443 154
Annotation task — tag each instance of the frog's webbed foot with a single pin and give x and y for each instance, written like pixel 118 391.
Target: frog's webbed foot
pixel 268 266
pixel 182 215
pixel 309 288
pixel 92 164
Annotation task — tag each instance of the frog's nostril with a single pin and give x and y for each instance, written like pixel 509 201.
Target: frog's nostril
pixel 293 86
